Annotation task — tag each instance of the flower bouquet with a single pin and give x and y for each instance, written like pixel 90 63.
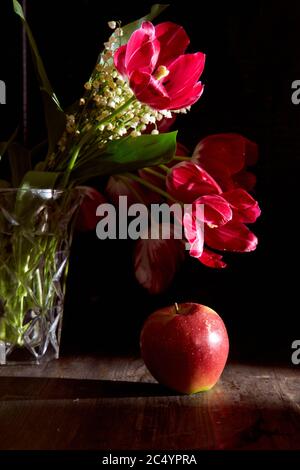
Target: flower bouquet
pixel 117 129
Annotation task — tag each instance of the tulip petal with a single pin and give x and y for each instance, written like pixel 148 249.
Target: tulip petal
pixel 212 260
pixel 233 236
pixel 119 60
pixel 194 233
pixel 174 40
pixel 165 124
pixel 227 152
pixel 142 50
pixel 150 256
pixel 86 218
pixel 251 152
pixel 245 208
pixel 187 97
pixel 148 90
pixel 188 181
pixel 217 210
pixel 245 179
pixel 184 72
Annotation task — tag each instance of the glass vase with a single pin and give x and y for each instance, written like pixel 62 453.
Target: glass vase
pixel 36 228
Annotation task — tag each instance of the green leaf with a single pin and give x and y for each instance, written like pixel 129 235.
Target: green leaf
pixel 40 180
pixel 55 121
pixel 42 75
pixel 20 163
pixel 127 154
pixel 54 115
pixel 5 145
pixel 128 29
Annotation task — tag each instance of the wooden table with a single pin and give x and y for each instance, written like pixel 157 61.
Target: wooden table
pixel 113 403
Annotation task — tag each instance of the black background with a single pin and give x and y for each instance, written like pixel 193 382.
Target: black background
pixel 253 55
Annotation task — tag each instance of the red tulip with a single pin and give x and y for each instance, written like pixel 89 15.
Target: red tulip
pixel 217 210
pixel 245 208
pixel 211 259
pixel 224 215
pixel 210 210
pixel 187 181
pixel 158 71
pixel 225 157
pixel 156 262
pixel 193 231
pixel 87 219
pixel 233 236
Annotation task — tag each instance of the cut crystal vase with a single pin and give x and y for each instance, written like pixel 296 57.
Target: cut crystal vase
pixel 36 228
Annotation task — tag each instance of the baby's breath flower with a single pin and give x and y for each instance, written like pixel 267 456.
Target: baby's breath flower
pixel 121 131
pixel 112 104
pixel 134 123
pixel 70 118
pixel 97 99
pixel 70 125
pixel 104 114
pixel 119 32
pixel 146 118
pixel 112 24
pixel 166 113
pixel 135 133
pixel 96 84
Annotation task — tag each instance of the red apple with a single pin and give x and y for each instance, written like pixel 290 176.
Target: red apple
pixel 185 347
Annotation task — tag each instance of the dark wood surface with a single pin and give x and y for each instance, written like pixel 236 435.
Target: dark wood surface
pixel 113 403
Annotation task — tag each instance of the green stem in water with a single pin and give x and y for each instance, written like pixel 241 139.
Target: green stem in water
pixel 151 186
pixel 39 288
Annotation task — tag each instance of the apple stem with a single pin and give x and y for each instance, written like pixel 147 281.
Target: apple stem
pixel 176 307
